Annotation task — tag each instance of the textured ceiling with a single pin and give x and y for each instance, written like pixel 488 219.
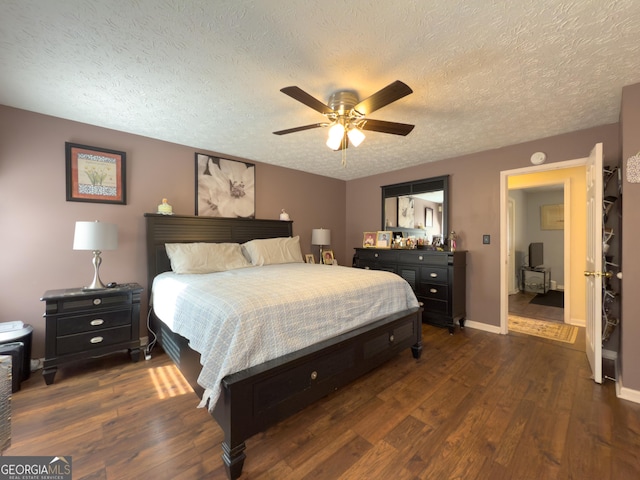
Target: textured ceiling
pixel 208 73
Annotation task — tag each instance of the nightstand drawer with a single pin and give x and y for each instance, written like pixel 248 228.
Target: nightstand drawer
pixel 93 322
pixel 85 342
pixel 75 303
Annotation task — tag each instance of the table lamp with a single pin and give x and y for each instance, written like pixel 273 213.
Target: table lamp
pixel 95 236
pixel 321 237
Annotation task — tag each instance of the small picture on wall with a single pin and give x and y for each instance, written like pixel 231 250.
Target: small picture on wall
pixel 95 175
pixel 224 188
pixel 428 217
pixel 309 258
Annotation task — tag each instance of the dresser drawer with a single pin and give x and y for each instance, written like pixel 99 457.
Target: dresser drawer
pixel 378 255
pixel 433 291
pixel 434 306
pixel 93 321
pixel 85 342
pixel 434 274
pixel 424 257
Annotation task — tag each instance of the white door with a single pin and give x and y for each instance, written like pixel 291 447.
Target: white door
pixel 593 272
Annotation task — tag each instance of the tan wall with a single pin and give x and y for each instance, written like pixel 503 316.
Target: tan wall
pixel 37 222
pixel 630 322
pixel 578 208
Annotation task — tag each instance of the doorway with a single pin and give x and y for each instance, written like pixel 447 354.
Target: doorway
pixel 571 176
pixel 537 278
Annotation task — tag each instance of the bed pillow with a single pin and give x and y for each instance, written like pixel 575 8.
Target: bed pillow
pixel 271 251
pixel 205 257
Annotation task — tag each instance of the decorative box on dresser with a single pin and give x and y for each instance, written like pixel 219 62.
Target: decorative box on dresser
pixel 437 278
pixel 81 324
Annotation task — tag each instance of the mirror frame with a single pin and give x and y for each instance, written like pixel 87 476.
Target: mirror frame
pixel 413 188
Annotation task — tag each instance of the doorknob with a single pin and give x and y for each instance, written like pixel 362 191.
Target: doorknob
pixel 598 274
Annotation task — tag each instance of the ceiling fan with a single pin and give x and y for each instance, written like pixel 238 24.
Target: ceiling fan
pixel 347 114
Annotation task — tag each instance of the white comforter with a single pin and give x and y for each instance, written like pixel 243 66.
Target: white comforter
pixel 241 318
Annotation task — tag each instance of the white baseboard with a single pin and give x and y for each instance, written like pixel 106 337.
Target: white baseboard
pixel 482 326
pixel 626 393
pixel 577 322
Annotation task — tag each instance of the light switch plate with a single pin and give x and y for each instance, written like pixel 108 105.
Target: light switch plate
pixel 486 239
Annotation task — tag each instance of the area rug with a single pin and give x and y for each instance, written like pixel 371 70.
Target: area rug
pixel 540 328
pixel 553 298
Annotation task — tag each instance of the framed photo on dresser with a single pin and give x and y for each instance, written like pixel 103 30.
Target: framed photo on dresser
pixel 383 239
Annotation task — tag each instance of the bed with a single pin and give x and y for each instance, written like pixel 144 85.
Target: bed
pixel 254 398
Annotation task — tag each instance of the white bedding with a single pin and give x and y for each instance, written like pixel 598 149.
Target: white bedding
pixel 241 318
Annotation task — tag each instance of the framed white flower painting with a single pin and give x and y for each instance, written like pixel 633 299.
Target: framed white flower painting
pixel 225 188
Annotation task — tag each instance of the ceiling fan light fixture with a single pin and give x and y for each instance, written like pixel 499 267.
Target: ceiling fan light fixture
pixel 356 136
pixel 336 133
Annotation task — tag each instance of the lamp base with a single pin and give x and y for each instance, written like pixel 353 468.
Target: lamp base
pixel 96 284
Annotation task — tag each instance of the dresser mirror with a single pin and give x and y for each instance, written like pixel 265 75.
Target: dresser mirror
pixel 419 208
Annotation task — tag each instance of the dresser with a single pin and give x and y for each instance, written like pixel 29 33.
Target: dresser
pixel 437 278
pixel 81 324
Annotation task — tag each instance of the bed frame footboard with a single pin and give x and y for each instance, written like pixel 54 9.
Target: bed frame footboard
pixel 260 396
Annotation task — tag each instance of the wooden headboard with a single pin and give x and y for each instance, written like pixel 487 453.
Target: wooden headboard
pixel 163 229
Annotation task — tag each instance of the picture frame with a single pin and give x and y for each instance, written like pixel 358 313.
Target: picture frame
pixel 224 187
pixel 309 258
pixel 428 217
pixel 369 239
pixel 95 174
pixel 327 257
pixel 383 239
pixel 406 212
pixel 552 217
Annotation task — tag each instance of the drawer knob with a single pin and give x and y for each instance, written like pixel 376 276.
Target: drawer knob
pixel 314 375
pixel 97 301
pixel 97 339
pixel 375 255
pixel 392 338
pixel 367 268
pixel 433 290
pixel 420 257
pixel 433 275
pixel 96 322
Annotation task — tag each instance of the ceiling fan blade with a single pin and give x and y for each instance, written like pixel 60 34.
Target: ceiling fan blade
pixel 387 127
pixel 299 129
pixel 298 94
pixel 389 94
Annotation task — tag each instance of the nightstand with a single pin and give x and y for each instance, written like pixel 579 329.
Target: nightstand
pixel 81 324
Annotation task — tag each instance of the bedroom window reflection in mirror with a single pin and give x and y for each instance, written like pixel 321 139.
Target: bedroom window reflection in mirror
pixel 418 208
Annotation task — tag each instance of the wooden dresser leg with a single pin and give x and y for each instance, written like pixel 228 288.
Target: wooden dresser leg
pixel 135 354
pixel 233 460
pixel 416 350
pixel 49 374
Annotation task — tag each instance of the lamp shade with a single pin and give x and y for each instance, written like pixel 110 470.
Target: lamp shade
pixel 95 236
pixel 320 236
pixel 355 136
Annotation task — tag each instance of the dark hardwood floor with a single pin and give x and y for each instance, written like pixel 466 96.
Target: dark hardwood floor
pixel 519 305
pixel 475 406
